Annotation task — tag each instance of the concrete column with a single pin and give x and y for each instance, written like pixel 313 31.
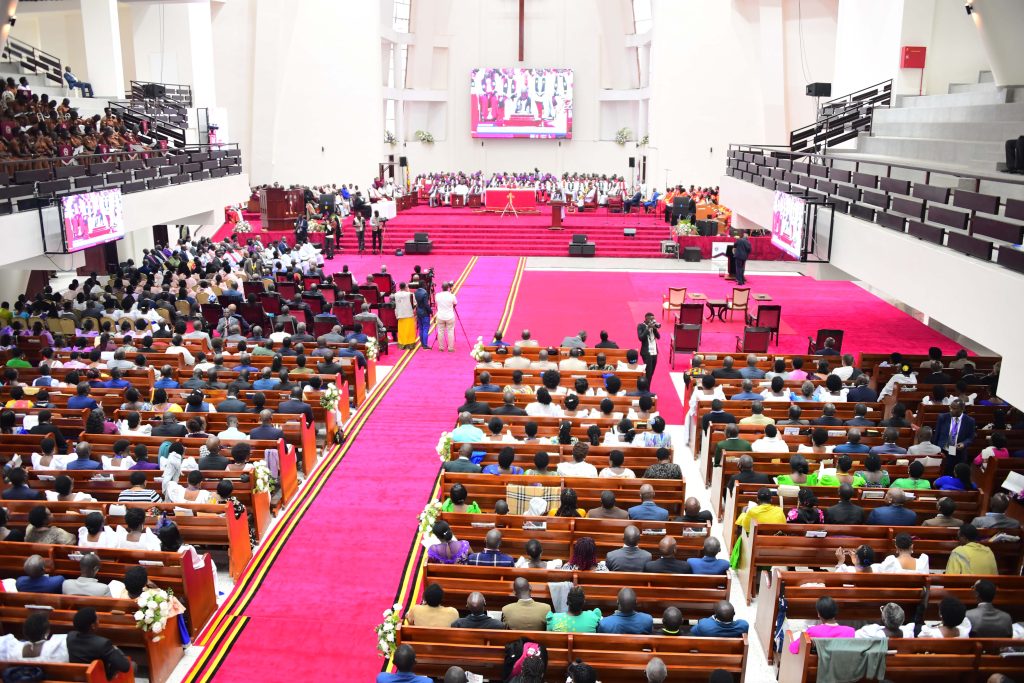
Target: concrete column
pixel 102 32
pixel 999 23
pixel 200 36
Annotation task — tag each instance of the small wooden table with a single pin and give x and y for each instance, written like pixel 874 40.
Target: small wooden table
pixel 716 307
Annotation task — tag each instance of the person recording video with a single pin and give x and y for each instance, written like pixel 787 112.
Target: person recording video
pixel 377 232
pixel 446 303
pixel 423 310
pixel 648 335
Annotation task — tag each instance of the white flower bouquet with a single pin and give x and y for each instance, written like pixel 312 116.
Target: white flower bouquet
pixel 429 516
pixel 262 480
pixel 243 228
pixel 478 350
pixel 389 138
pixel 372 349
pixel 424 136
pixel 387 631
pixel 444 446
pixel 317 226
pixel 623 135
pixel 154 610
pixel 329 397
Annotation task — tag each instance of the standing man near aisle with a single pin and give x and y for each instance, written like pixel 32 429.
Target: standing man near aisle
pixel 423 314
pixel 648 335
pixel 446 302
pixel 377 229
pixel 740 253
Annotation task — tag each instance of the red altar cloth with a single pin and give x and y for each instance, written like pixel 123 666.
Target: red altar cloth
pixel 496 198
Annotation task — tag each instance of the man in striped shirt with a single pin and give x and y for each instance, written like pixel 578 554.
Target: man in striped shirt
pixel 492 555
pixel 138 493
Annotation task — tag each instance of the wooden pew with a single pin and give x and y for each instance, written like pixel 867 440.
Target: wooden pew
pixel 487 489
pixel 694 594
pixel 194 586
pixel 595 378
pixel 917 659
pixel 786 545
pixel 637 458
pixel 621 403
pixel 75 673
pixel 616 658
pixel 860 595
pixel 116 622
pixel 589 354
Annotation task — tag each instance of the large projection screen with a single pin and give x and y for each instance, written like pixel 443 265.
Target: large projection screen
pixel 788 223
pixel 521 103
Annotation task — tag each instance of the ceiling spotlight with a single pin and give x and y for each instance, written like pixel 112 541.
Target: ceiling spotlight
pixel 969 8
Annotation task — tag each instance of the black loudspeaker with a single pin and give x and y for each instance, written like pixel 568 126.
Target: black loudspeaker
pixel 819 89
pixel 153 91
pixel 421 237
pixel 632 162
pixel 579 239
pixel 403 162
pixel 629 232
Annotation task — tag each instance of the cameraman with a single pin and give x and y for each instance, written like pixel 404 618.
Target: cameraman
pixel 377 229
pixel 648 335
pixel 423 312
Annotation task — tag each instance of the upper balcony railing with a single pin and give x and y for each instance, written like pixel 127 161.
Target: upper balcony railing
pixel 33 59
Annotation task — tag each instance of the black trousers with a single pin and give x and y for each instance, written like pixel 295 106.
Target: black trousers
pixel 650 362
pixel 378 240
pixel 1015 154
pixel 361 240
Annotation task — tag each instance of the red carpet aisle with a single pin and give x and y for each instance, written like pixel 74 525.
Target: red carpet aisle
pixel 313 616
pixel 553 304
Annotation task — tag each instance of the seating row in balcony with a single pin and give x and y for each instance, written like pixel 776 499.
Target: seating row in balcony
pixel 976 224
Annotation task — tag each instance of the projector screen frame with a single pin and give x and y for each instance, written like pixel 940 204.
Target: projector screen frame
pixel 59 202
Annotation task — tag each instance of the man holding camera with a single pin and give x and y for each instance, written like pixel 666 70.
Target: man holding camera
pixel 377 230
pixel 648 335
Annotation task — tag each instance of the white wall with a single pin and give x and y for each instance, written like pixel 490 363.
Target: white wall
pixel 812 25
pixel 867 43
pixel 940 283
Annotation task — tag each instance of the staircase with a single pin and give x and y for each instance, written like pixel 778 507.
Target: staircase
pixel 966 128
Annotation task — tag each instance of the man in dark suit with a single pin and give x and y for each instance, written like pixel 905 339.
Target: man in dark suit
pixel 727 371
pixel 296 406
pixel 648 336
pixel 84 646
pixel 232 404
pixel 462 463
pixel 861 392
pixel 740 253
pixel 844 512
pixel 986 620
pixel 828 417
pixel 716 416
pixel 266 430
pixel 170 427
pixel 667 562
pixel 954 432
pixel 508 406
pixel 46 427
pixel 937 376
pixel 327 366
pixel 747 475
pixel 859 419
pixel 213 460
pixel 473 406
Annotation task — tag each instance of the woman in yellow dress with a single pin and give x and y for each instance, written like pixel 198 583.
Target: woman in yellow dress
pixel 405 311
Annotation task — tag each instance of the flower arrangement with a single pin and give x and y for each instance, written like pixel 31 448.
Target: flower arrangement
pixel 622 135
pixel 646 139
pixel 478 351
pixel 262 480
pixel 317 226
pixel 243 227
pixel 387 629
pixel 429 515
pixel 329 397
pixel 389 138
pixel 424 136
pixel 372 349
pixel 444 446
pixel 154 610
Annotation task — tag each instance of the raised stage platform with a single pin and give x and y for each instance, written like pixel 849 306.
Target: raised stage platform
pixel 456 231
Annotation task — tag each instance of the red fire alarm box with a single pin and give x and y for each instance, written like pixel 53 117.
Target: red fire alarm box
pixel 912 57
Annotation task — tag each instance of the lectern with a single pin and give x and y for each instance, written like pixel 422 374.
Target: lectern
pixel 557 214
pixel 280 207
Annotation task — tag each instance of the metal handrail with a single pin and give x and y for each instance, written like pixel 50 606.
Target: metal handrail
pixel 175 93
pixel 856 110
pixel 32 58
pixel 11 166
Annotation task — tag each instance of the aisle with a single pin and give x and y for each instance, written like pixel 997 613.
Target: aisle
pixel 313 615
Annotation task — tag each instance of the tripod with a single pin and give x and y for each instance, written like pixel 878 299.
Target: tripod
pixel 509 207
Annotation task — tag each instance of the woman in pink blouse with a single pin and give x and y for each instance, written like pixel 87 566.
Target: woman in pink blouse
pixel 828 628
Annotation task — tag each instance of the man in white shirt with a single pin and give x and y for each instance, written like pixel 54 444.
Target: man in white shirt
pixel 846 370
pixel 542 362
pixel 177 347
pixel 517 361
pixel 573 362
pixel 771 442
pixel 445 318
pixel 233 432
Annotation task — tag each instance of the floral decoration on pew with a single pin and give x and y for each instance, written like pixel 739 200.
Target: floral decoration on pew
pixel 262 480
pixel 372 349
pixel 430 513
pixel 478 350
pixel 444 446
pixel 243 228
pixel 386 630
pixel 155 608
pixel 329 397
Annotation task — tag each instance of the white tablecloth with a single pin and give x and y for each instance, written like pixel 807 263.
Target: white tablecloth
pixel 388 208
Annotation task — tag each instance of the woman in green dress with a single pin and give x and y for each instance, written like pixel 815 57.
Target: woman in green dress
pixel 576 619
pixel 456 501
pixel 798 472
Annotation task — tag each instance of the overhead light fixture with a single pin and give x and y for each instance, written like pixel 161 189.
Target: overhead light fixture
pixel 969 8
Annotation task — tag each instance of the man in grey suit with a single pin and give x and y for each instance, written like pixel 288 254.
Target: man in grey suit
pixel 462 463
pixel 86 583
pixel 334 336
pixel 986 620
pixel 996 517
pixel 628 558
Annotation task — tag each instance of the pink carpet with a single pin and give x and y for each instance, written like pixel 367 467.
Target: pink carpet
pixel 554 304
pixel 313 616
